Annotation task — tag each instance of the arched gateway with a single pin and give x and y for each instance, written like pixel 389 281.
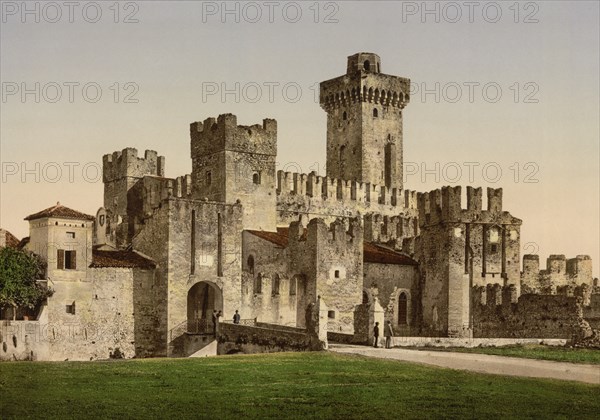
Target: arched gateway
pixel 203 298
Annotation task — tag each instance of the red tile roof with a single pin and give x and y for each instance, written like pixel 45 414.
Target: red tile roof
pixel 120 259
pixel 372 253
pixel 10 240
pixel 60 211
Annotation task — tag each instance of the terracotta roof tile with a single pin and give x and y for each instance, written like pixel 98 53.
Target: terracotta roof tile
pixel 378 254
pixel 60 211
pixel 372 253
pixel 120 259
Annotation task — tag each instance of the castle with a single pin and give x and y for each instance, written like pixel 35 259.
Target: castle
pixel 294 253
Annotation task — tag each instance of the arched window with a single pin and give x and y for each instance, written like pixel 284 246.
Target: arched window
pixel 293 285
pixel 375 112
pixel 250 264
pixel 367 65
pixel 345 116
pixel 365 297
pixel 208 178
pixel 402 309
pixel 256 178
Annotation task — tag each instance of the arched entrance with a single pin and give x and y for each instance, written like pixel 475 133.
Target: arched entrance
pixel 203 298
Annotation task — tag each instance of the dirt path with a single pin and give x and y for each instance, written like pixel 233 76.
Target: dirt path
pixel 483 363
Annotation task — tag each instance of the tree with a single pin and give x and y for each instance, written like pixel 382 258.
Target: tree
pixel 19 272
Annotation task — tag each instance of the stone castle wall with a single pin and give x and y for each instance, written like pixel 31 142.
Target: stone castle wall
pixel 499 313
pixel 559 272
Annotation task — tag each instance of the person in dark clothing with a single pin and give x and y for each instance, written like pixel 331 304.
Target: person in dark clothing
pixel 388 333
pixel 236 317
pixel 376 335
pixel 215 320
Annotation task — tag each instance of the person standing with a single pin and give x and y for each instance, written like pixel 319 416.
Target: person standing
pixel 376 335
pixel 236 317
pixel 388 333
pixel 219 315
pixel 215 320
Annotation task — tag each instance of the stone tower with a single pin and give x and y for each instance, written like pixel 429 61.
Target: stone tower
pixel 364 122
pixel 232 162
pixel 121 171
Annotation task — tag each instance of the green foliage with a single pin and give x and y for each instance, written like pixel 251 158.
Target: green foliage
pixel 19 271
pixel 316 385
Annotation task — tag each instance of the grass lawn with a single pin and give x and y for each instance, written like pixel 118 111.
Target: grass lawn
pixel 284 385
pixel 535 351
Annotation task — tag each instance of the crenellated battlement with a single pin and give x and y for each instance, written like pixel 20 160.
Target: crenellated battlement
pixel 560 272
pixel 385 229
pixel 126 163
pixel 313 185
pixel 223 133
pixel 375 93
pixel 492 295
pixel 445 204
pixel 364 82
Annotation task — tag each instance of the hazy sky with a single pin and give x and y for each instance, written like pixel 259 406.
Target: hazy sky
pixel 497 86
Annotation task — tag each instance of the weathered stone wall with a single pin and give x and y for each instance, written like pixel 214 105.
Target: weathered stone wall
pixel 498 314
pixel 25 340
pixel 104 323
pixel 217 259
pixel 559 272
pixel 152 304
pixel 121 172
pixel 232 162
pixel 269 303
pixel 461 247
pixel 387 282
pixel 331 260
pixel 591 312
pixel 364 122
pixel 309 196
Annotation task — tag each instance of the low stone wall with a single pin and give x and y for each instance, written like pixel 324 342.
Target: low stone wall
pixel 23 340
pixel 591 313
pixel 235 338
pixel 533 316
pixel 473 342
pixel 343 338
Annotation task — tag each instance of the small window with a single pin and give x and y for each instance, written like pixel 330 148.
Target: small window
pixel 344 116
pixel 208 179
pixel 71 235
pixel 293 285
pixel 275 286
pixel 70 309
pixel 494 248
pixel 375 113
pixel 258 285
pixel 101 220
pixel 336 274
pixel 331 314
pixel 367 65
pixel 250 264
pixel 256 178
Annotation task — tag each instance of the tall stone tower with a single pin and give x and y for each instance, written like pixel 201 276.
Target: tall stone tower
pixel 232 162
pixel 364 122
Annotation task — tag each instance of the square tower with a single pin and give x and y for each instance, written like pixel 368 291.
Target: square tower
pixel 364 122
pixel 232 162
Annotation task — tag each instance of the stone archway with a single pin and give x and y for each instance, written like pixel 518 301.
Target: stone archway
pixel 202 299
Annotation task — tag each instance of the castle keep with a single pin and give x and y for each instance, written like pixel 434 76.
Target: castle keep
pixel 303 258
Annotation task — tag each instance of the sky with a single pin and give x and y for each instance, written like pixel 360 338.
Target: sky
pixel 503 94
